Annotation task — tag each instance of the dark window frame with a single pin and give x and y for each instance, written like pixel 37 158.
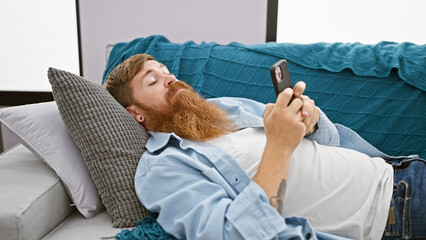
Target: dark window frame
pixel 271 21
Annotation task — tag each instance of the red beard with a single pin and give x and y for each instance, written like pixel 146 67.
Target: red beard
pixel 189 115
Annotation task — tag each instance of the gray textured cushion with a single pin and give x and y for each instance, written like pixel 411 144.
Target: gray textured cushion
pixel 110 140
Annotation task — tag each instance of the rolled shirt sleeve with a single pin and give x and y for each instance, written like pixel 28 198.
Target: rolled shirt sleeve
pixel 252 215
pixel 327 133
pixel 192 206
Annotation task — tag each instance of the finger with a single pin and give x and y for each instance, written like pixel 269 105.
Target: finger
pixel 299 88
pixel 307 121
pixel 308 106
pixel 296 106
pixel 308 111
pixel 284 98
pixel 313 120
pixel 268 109
pixel 305 114
pixel 316 115
pixel 309 124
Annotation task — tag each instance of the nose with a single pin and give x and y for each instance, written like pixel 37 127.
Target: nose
pixel 169 79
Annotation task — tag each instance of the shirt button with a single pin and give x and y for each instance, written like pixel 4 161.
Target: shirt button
pixel 308 236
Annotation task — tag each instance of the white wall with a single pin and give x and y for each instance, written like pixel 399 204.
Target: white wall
pixel 109 21
pixel 364 21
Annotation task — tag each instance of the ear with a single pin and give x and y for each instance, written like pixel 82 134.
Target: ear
pixel 137 115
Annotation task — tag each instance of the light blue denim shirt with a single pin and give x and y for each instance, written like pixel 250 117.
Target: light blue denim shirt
pixel 201 192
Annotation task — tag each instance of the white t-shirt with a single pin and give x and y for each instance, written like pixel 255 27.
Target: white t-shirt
pixel 340 191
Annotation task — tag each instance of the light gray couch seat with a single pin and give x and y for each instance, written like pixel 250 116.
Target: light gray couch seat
pixel 33 199
pixel 34 203
pixel 78 227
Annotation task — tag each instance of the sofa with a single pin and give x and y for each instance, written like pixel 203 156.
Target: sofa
pixel 70 177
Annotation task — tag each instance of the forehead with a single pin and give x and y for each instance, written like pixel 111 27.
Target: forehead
pixel 147 68
pixel 151 64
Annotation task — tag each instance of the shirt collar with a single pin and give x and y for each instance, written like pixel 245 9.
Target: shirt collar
pixel 159 140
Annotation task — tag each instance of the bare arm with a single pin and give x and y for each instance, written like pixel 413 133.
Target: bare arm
pixel 284 129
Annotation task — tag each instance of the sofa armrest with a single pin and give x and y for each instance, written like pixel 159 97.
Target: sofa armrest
pixel 33 200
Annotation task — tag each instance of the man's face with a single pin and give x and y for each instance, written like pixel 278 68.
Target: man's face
pixel 165 104
pixel 154 90
pixel 152 84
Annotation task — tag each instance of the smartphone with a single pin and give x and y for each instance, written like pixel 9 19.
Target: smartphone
pixel 280 76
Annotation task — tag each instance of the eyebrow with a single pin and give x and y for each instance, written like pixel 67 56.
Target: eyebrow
pixel 150 71
pixel 146 73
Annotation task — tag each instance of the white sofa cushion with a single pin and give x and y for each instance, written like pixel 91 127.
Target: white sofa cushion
pixel 40 128
pixel 33 200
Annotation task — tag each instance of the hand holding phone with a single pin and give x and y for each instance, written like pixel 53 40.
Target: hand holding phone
pixel 280 77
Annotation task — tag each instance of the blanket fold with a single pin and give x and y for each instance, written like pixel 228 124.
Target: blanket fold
pixel 146 229
pixel 364 60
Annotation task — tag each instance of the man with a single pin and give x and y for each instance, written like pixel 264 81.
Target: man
pixel 232 168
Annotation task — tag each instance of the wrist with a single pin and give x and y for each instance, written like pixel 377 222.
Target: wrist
pixel 274 150
pixel 312 130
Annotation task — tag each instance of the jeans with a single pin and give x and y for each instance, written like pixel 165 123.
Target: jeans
pixel 407 214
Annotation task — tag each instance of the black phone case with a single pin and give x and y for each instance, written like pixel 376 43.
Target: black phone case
pixel 285 82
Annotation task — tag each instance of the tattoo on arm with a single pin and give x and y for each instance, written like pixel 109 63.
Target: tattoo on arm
pixel 278 200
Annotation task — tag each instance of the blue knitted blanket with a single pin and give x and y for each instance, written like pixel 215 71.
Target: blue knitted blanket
pixel 146 229
pixel 364 60
pixel 377 90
